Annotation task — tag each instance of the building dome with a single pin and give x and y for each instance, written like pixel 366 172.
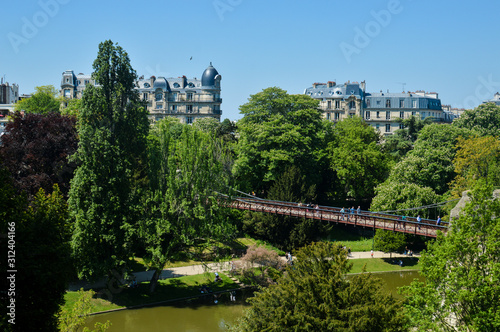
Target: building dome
pixel 161 83
pixel 208 77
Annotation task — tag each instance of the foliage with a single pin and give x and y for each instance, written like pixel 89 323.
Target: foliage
pixel 356 158
pixel 424 173
pixel 43 101
pixel 277 131
pixel 209 124
pixel 314 295
pixel 477 158
pixel 284 231
pixel 35 149
pixel 462 271
pixel 227 131
pixel 401 142
pixel 183 209
pixel 389 241
pixel 71 107
pixel 73 319
pixel 266 261
pixel 105 190
pixel 484 119
pixel 403 196
pixel 42 257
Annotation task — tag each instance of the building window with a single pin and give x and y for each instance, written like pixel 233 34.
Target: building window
pixel 328 116
pixel 412 113
pixel 351 115
pixel 337 116
pixel 401 103
pixel 145 96
pixel 402 114
pixel 388 128
pixel 159 106
pixel 189 119
pixel 377 126
pixel 378 114
pixel 67 93
pixel 401 126
pixel 159 96
pixel 329 104
pixel 189 108
pixel 337 104
pixel 388 103
pixel 189 96
pixel 352 105
pixel 414 104
pixel 368 103
pixel 367 115
pixel 86 82
pixel 174 108
pixel 388 115
pixel 174 96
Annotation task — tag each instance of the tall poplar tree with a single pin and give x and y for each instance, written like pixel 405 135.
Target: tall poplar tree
pixel 113 127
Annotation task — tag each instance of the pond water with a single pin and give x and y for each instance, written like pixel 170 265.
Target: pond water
pixel 204 314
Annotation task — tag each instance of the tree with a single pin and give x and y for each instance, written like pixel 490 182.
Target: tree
pixel 35 149
pixel 401 142
pixel 462 272
pixel 73 319
pixel 277 131
pixel 106 188
pixel 484 119
pixel 356 159
pixel 286 232
pixel 71 107
pixel 183 209
pixel 209 125
pixel 389 241
pixel 42 257
pixel 403 197
pixel 315 295
pixel 477 158
pixel 43 101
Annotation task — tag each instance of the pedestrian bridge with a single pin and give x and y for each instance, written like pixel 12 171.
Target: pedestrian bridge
pixel 390 222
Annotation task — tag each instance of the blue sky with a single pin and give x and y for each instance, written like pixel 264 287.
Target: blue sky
pixel 449 47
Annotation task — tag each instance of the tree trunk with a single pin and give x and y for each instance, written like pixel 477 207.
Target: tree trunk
pixel 154 280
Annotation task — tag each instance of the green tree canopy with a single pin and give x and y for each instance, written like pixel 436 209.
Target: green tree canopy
pixel 277 131
pixel 283 231
pixel 43 101
pixel 389 241
pixel 39 237
pixel 356 159
pixel 105 190
pixel 315 295
pixel 484 119
pixel 403 196
pixel 462 271
pixel 183 210
pixel 477 159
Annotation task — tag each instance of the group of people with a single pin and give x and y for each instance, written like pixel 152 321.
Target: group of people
pixel 350 211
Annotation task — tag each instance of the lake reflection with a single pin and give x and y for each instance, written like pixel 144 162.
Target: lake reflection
pixel 204 315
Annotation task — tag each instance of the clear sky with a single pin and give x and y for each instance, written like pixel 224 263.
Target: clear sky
pixel 449 47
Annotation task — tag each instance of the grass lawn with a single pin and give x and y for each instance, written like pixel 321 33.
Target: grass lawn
pixel 167 289
pixel 350 239
pixel 384 264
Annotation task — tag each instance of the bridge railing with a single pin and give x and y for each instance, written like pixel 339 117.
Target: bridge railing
pixel 426 227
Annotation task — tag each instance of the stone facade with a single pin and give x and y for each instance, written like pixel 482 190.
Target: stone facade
pixel 381 110
pixel 183 98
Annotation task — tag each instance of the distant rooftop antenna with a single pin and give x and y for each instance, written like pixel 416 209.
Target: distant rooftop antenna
pixel 403 84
